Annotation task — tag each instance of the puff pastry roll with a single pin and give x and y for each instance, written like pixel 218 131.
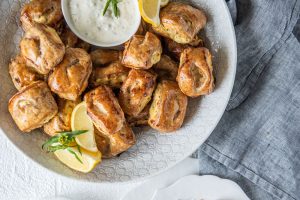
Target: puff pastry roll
pixel 47 12
pixel 42 48
pixel 21 74
pixel 68 37
pixel 176 49
pixel 112 75
pixel 180 22
pixel 141 119
pixel 62 120
pixel 103 57
pixel 70 78
pixel 136 91
pixel 166 68
pixel 33 106
pixel 104 109
pixel 195 74
pixel 111 145
pixel 168 108
pixel 83 45
pixel 142 30
pixel 142 52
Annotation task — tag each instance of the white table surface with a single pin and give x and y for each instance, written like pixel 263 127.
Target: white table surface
pixel 21 178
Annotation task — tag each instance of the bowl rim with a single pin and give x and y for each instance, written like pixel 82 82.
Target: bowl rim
pixel 66 14
pixel 195 147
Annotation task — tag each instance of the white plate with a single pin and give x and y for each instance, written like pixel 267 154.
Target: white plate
pixel 153 152
pixel 201 188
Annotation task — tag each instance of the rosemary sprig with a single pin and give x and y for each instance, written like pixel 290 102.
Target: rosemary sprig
pixel 115 9
pixel 64 140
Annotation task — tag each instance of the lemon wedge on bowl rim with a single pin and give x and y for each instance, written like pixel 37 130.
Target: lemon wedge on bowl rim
pixel 87 160
pixel 149 10
pixel 81 121
pixel 164 3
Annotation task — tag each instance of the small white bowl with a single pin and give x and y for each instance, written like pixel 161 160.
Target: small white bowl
pixel 131 30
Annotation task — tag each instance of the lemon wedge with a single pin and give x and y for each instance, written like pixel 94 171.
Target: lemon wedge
pixel 149 10
pixel 164 3
pixel 89 160
pixel 81 121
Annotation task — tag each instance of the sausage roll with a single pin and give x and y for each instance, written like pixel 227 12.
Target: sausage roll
pixel 33 106
pixel 103 144
pixel 141 119
pixel 83 45
pixel 136 91
pixel 46 12
pixel 70 78
pixel 195 74
pixel 104 109
pixel 142 30
pixel 111 145
pixel 142 52
pixel 176 49
pixel 21 74
pixel 180 22
pixel 168 108
pixel 62 120
pixel 103 57
pixel 68 37
pixel 42 48
pixel 166 68
pixel 113 75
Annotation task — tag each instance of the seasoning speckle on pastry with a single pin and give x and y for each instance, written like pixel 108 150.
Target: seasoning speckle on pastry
pixel 168 107
pixel 33 106
pixel 142 52
pixel 104 109
pixel 136 91
pixel 195 74
pixel 180 22
pixel 47 12
pixel 70 78
pixel 42 48
pixel 21 74
pixel 112 75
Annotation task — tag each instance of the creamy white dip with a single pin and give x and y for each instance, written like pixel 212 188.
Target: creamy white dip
pixel 88 20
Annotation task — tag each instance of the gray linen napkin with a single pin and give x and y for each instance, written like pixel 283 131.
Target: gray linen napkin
pixel 257 142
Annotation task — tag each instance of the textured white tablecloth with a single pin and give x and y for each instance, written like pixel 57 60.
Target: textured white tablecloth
pixel 21 178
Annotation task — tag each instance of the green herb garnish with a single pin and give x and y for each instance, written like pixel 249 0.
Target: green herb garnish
pixel 114 4
pixel 64 140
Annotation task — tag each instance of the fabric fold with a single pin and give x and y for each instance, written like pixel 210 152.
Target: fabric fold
pixel 258 138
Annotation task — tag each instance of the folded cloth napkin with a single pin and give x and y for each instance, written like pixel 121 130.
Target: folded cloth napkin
pixel 257 142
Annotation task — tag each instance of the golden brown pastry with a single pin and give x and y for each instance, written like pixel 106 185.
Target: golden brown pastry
pixel 136 91
pixel 32 107
pixel 62 120
pixel 70 78
pixel 21 74
pixel 103 144
pixel 180 22
pixel 46 12
pixel 176 49
pixel 142 52
pixel 166 68
pixel 142 30
pixel 104 109
pixel 42 48
pixel 83 45
pixel 195 74
pixel 112 75
pixel 68 37
pixel 168 108
pixel 103 57
pixel 111 145
pixel 141 119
